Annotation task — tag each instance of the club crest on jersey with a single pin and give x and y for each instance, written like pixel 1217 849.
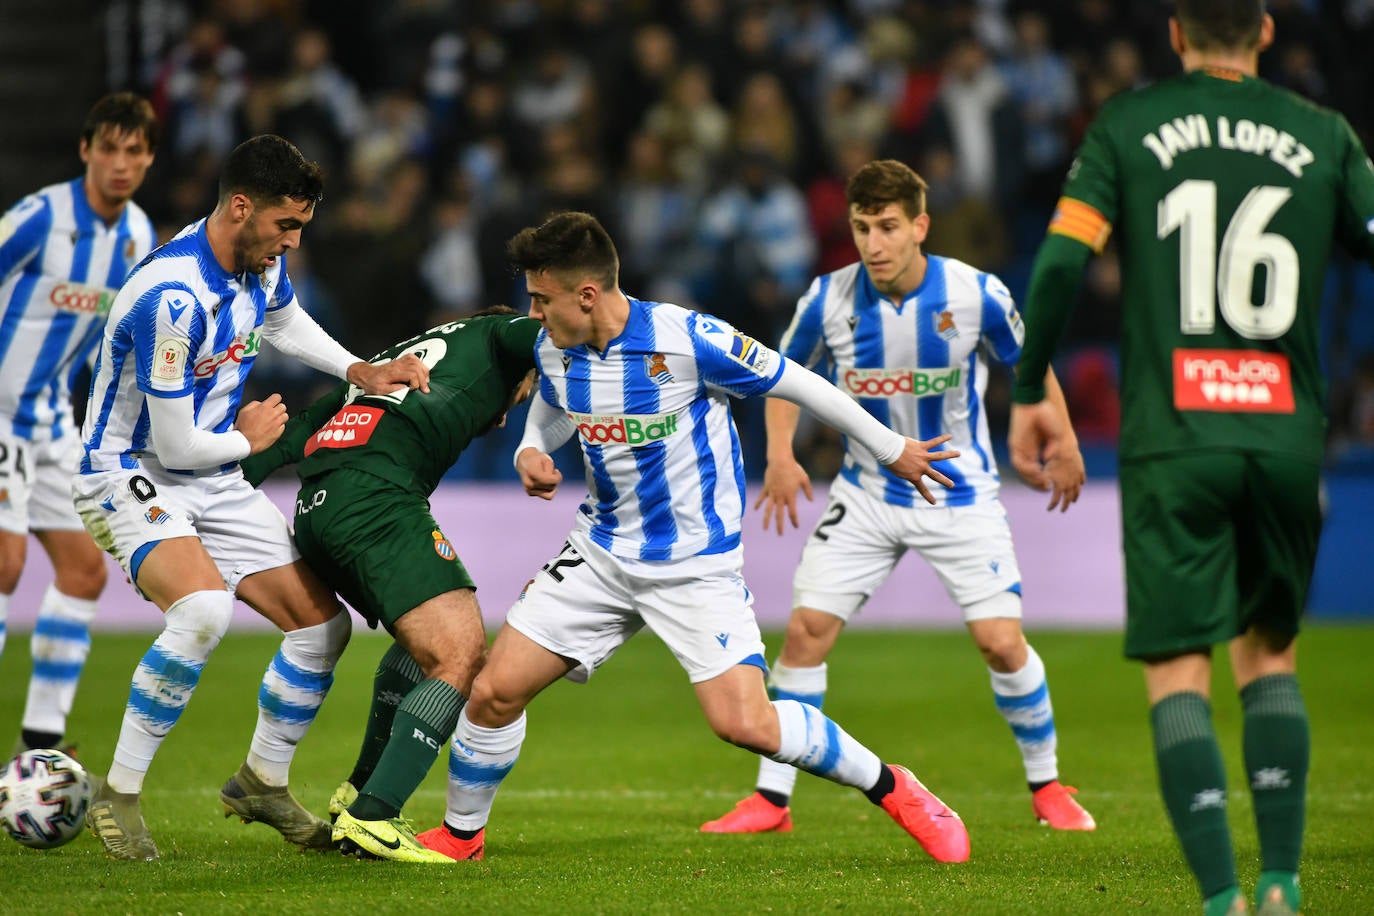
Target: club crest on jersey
pixel 442 547
pixel 4 497
pixel 656 365
pixel 156 516
pixel 129 250
pixel 944 325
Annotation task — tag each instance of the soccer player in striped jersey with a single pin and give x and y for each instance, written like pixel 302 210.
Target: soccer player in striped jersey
pixel 644 386
pixel 907 335
pixel 64 252
pixel 1228 194
pixel 160 487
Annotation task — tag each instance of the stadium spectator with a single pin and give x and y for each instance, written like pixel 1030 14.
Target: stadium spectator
pixel 852 320
pixel 1223 410
pixel 64 252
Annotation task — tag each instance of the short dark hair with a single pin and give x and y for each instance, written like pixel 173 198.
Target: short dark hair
pixel 887 181
pixel 126 112
pixel 567 242
pixel 1220 24
pixel 270 168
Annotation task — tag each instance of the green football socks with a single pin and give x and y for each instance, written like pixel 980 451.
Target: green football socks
pixel 1277 751
pixel 397 674
pixel 424 722
pixel 1192 779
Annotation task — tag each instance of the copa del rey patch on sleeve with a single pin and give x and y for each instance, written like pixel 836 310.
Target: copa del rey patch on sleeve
pixel 169 359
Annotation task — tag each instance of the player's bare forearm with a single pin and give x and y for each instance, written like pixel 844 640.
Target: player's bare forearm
pixel 538 474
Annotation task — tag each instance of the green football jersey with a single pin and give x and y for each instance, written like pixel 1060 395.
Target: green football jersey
pixel 411 438
pixel 1226 194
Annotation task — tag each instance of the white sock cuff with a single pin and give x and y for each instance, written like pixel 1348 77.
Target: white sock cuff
pixel 499 740
pixel 1019 683
pixel 65 607
pixel 791 729
pixel 4 608
pixel 318 647
pixel 201 615
pixel 798 680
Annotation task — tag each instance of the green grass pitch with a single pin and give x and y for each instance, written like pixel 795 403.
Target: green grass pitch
pixel 601 813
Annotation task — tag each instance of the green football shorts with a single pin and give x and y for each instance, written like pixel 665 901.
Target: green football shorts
pixel 376 545
pixel 1215 543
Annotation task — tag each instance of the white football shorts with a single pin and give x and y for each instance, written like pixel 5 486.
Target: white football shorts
pixel 241 529
pixel 859 539
pixel 36 483
pixel 585 603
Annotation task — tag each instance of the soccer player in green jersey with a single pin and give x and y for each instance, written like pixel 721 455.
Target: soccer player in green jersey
pixel 368 465
pixel 1226 194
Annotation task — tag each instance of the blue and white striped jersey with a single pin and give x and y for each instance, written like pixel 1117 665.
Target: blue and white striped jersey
pixel 665 479
pixel 920 368
pixel 60 266
pixel 181 325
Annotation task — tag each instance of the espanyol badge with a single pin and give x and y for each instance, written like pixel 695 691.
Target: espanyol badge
pixel 441 545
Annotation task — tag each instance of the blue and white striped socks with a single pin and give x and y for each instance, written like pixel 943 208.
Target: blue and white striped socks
pixel 1023 699
pixel 296 683
pixel 478 760
pixel 60 644
pixel 164 680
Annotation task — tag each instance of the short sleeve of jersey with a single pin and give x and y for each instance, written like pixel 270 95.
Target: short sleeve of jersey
pixel 22 230
pixel 1002 327
pixel 804 339
pixel 731 360
pixel 517 338
pixel 1356 227
pixel 167 326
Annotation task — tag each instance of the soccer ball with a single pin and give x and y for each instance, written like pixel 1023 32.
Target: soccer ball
pixel 44 795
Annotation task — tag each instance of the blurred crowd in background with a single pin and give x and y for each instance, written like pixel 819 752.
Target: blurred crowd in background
pixel 712 137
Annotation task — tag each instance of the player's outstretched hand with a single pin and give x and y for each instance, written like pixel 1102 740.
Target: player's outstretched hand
pixel 537 473
pixel 261 422
pixel 392 375
pixel 1044 451
pixel 781 480
pixel 916 462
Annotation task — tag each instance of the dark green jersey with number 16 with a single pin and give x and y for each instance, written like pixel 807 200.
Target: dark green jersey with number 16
pixel 1226 194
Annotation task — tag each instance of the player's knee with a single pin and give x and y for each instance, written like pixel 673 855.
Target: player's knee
pixel 490 708
pixel 323 642
pixel 202 616
pixel 12 552
pixel 744 728
pixel 810 635
pixel 84 579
